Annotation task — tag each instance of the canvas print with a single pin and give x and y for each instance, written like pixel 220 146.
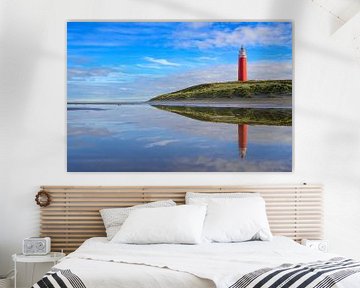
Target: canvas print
pixel 179 96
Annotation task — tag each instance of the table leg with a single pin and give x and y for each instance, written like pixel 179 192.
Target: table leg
pixel 26 272
pixel 15 273
pixel 32 274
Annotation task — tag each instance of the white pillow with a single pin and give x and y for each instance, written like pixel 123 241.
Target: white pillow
pixel 113 218
pixel 173 225
pixel 204 198
pixel 236 220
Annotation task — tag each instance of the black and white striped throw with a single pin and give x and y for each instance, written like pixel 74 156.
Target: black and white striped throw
pixel 57 278
pixel 320 274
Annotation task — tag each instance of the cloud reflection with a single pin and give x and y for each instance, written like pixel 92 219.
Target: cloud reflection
pixel 88 131
pixel 160 143
pixel 208 164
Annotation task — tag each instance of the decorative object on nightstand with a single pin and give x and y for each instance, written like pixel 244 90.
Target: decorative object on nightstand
pixel 36 246
pixel 320 245
pixel 53 257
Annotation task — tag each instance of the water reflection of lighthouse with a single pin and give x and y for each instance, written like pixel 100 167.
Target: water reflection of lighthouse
pixel 243 139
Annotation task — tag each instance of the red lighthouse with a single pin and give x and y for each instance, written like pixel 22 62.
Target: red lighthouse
pixel 242 65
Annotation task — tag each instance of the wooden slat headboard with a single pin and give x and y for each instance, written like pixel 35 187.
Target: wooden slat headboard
pixel 73 215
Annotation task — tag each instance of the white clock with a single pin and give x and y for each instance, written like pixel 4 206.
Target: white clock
pixel 320 245
pixel 36 246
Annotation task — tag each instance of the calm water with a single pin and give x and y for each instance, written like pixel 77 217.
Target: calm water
pixel 126 138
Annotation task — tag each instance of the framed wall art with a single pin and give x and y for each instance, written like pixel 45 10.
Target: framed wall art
pixel 179 96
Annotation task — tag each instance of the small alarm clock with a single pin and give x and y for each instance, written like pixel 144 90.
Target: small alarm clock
pixel 36 246
pixel 320 245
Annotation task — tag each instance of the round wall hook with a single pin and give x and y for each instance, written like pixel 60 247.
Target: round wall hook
pixel 42 198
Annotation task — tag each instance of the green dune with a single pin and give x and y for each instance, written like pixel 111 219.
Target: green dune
pixel 231 91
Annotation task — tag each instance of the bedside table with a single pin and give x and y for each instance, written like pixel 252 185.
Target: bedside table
pixel 320 245
pixel 53 257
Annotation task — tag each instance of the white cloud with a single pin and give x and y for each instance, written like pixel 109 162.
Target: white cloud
pixel 279 35
pixel 161 61
pixel 148 66
pixel 270 70
pixel 96 75
pixel 198 25
pixel 206 58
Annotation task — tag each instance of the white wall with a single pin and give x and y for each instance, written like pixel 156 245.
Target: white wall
pixel 33 112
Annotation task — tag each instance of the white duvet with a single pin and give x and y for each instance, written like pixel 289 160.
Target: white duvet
pixel 100 263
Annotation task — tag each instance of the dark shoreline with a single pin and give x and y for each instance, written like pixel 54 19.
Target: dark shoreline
pixel 266 103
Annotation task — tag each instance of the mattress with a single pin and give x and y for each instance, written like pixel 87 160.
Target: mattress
pixel 99 263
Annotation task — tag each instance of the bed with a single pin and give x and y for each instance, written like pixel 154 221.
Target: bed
pixel 99 263
pixel 294 211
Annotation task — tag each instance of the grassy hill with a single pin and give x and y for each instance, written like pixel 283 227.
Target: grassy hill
pixel 231 90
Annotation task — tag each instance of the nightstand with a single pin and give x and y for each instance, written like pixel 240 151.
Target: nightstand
pixel 53 257
pixel 320 245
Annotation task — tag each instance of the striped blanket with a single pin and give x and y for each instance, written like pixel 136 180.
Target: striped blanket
pixel 320 274
pixel 57 278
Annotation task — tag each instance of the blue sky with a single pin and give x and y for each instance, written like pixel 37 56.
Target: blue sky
pixel 135 61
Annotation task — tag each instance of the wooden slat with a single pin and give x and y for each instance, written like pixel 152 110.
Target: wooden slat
pixel 73 216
